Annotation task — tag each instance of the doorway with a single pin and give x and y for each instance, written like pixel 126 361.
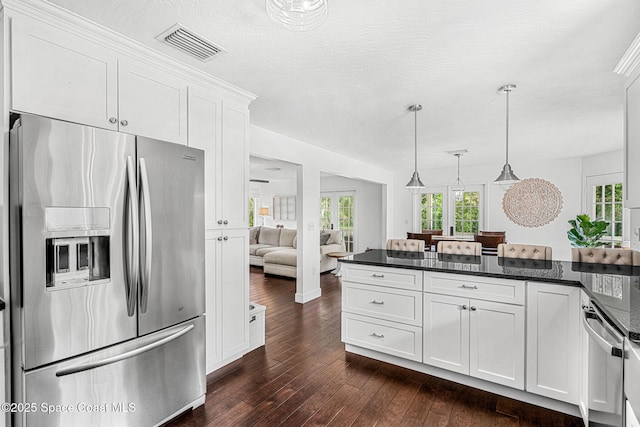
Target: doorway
pixel 338 212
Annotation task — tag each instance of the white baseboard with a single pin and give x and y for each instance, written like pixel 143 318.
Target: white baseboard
pixel 303 298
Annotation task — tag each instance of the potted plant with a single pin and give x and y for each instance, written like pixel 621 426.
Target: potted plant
pixel 586 233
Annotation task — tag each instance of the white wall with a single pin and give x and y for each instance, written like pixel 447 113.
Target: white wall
pixel 312 160
pixel 368 204
pixel 566 174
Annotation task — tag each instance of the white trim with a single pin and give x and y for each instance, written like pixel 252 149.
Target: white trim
pixel 304 298
pixel 630 59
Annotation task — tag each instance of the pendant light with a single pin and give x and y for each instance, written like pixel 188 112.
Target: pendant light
pixel 507 178
pixel 415 184
pixel 458 186
pixel 297 15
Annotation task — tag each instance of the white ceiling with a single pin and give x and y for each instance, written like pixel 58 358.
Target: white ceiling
pixel 346 85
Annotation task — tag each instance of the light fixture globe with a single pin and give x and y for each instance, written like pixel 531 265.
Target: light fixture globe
pixel 415 184
pixel 458 186
pixel 298 15
pixel 507 178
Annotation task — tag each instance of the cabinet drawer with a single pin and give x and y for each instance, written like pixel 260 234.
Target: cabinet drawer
pixel 392 277
pixel 489 288
pixel 380 335
pixel 383 303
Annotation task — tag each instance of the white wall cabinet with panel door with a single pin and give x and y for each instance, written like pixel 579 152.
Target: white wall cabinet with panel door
pixel 628 66
pixel 232 207
pixel 205 133
pixel 553 341
pixel 65 75
pixel 483 339
pixel 151 102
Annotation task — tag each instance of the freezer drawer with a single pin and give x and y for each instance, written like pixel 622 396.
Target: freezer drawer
pixel 156 376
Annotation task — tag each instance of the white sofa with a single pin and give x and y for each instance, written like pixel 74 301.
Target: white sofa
pixel 275 249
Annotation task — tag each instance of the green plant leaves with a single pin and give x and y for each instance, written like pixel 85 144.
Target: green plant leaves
pixel 586 233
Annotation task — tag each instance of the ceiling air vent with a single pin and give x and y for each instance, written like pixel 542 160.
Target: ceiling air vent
pixel 187 41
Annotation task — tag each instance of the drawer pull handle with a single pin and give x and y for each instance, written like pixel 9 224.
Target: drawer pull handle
pixel 373 334
pixel 472 308
pixel 377 302
pixel 253 319
pixel 464 306
pixel 378 276
pixel 469 287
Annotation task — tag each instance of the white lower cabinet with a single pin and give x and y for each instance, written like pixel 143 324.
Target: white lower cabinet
pixel 631 418
pixel 553 341
pixel 227 297
pixel 583 393
pixel 483 339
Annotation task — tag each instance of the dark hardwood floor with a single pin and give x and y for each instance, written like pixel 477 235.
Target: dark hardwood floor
pixel 303 376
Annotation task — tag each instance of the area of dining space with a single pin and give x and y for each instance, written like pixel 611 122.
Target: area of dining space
pixel 482 243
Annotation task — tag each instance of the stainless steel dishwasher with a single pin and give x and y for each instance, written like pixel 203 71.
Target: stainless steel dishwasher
pixel 606 361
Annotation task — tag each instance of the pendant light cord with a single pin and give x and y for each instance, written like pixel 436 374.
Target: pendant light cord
pixel 415 133
pixel 458 156
pixel 508 90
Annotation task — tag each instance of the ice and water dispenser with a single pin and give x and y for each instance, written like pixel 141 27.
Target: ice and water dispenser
pixel 77 246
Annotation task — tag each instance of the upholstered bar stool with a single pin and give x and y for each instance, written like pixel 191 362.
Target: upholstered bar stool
pixel 459 248
pixel 407 245
pixel 605 256
pixel 513 250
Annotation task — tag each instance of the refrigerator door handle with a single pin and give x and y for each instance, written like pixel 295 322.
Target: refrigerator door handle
pixel 145 276
pixel 129 354
pixel 132 234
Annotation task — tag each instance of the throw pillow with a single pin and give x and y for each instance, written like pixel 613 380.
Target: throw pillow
pixel 324 238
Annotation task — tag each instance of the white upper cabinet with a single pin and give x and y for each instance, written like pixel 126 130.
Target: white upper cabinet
pixel 628 67
pixel 232 205
pixel 151 102
pixel 61 75
pixel 205 133
pixel 220 127
pixel 632 143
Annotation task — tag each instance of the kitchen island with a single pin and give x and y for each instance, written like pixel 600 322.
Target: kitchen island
pixel 509 326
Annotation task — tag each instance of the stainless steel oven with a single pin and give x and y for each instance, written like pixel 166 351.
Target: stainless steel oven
pixel 605 377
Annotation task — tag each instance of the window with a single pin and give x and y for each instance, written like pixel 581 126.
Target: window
pixel 607 206
pixel 337 211
pixel 440 211
pixel 325 212
pixel 431 218
pixel 467 213
pixel 252 211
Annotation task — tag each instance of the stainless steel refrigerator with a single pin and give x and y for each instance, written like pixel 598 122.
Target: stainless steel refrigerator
pixel 107 276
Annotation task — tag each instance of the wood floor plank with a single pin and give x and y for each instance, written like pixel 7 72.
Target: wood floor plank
pixel 303 376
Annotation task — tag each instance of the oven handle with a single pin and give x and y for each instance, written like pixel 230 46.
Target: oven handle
pixel 603 343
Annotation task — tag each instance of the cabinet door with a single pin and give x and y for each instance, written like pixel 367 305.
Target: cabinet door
pixel 61 75
pixel 553 316
pixel 213 305
pixel 496 342
pixel 631 418
pixel 205 113
pixel 233 267
pixel 632 143
pixel 233 173
pixel 446 332
pixel 151 102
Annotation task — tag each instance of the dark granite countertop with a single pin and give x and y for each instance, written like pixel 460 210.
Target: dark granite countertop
pixel 615 289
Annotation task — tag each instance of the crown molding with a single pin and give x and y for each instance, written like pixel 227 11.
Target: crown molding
pixel 66 20
pixel 630 60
